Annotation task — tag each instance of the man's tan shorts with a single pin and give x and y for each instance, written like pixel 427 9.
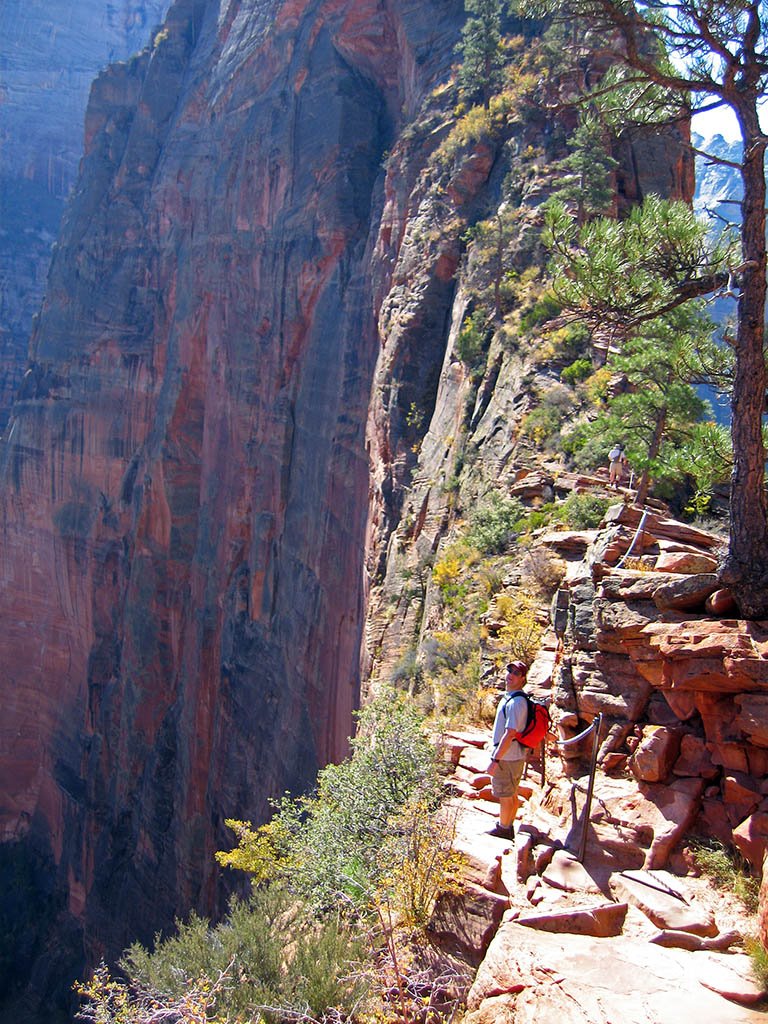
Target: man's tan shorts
pixel 506 778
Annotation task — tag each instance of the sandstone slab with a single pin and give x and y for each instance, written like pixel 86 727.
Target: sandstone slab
pixel 565 872
pixel 649 819
pixel 662 526
pixel 658 896
pixel 474 759
pixel 600 920
pixel 575 979
pixel 685 562
pixel 466 737
pixel 607 683
pixel 731 978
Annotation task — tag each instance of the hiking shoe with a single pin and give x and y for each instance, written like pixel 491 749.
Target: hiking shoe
pixel 503 833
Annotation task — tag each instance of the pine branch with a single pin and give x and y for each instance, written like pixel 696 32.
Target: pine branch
pixel 720 160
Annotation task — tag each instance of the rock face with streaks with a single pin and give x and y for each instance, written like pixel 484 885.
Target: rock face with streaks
pixel 49 53
pixel 184 480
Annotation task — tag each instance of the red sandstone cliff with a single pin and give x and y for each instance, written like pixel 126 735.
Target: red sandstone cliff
pixel 254 289
pixel 185 480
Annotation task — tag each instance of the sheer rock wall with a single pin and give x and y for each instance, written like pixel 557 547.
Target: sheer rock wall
pixel 184 478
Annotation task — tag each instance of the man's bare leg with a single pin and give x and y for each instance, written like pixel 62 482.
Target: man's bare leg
pixel 507 810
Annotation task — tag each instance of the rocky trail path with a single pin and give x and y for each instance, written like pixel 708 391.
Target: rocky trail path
pixel 609 941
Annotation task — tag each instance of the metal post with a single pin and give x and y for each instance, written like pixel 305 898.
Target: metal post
pixel 588 806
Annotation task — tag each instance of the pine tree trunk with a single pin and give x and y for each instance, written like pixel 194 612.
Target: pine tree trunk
pixel 653 450
pixel 745 569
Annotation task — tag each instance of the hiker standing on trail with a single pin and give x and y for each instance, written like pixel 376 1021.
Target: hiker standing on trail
pixel 617 462
pixel 508 756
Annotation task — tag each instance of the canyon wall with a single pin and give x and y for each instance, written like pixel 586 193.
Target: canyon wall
pixel 49 52
pixel 184 476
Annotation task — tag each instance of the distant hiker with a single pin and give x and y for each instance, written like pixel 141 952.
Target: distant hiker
pixel 617 460
pixel 508 755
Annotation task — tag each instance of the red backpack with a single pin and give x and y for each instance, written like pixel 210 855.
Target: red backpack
pixel 538 722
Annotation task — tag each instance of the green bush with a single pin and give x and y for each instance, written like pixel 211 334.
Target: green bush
pixel 307 975
pixel 492 524
pixel 537 518
pixel 422 862
pixel 544 309
pixel 544 423
pixel 472 342
pixel 581 511
pixel 289 951
pixel 328 843
pixel 578 371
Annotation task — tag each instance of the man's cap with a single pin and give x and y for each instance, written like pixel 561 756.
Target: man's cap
pixel 517 666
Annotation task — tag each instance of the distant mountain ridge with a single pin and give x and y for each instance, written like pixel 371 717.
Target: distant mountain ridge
pixel 718 187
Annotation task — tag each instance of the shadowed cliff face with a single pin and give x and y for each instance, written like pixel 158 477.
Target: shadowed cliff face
pixel 184 478
pixel 49 53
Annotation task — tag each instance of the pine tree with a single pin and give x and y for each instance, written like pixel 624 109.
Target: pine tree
pixel 481 52
pixel 722 51
pixel 587 184
pixel 657 413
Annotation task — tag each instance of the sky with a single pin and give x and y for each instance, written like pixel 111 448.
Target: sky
pixel 716 122
pixel 723 122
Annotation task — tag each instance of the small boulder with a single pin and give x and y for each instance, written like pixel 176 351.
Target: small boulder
pixel 751 838
pixel 721 603
pixel 695 759
pixel 752 717
pixel 713 820
pixel 696 943
pixel 542 856
pixel 524 856
pixel 601 920
pixel 686 592
pixel 682 704
pixel 657 753
pixel 658 896
pixel 741 796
